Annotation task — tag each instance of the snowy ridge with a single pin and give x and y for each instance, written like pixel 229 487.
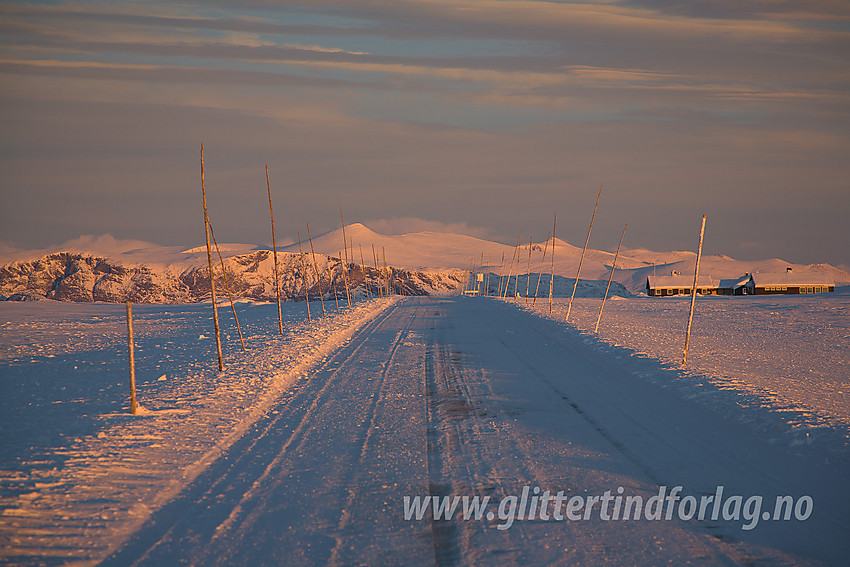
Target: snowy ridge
pixel 79 277
pixel 422 263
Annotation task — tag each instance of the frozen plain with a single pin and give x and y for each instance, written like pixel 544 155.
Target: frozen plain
pixel 303 451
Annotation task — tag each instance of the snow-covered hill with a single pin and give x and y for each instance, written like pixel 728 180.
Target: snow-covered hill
pixel 435 250
pixel 106 269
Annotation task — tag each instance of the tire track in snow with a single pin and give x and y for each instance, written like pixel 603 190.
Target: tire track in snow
pixel 210 507
pixel 366 441
pixel 463 461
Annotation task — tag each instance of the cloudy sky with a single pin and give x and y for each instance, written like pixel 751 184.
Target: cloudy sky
pixel 480 116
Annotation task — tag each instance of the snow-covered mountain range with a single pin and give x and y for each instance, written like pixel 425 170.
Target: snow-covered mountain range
pixel 111 270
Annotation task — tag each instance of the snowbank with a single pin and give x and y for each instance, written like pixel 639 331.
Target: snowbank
pixel 69 444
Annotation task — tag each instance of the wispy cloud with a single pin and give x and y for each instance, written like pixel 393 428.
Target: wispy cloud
pixel 480 110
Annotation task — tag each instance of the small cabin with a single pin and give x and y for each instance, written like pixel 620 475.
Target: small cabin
pixel 743 285
pixel 791 282
pixel 678 284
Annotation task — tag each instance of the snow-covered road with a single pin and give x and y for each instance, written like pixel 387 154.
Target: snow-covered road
pixel 474 397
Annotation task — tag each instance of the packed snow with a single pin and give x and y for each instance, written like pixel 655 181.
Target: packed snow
pixel 78 473
pixel 790 352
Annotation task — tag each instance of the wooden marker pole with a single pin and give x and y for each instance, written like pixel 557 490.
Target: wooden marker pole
pixel 132 349
pixel 694 294
pixel 501 274
pixel 344 280
pixel 540 275
pixel 511 270
pixel 345 249
pixel 274 248
pixel 304 275
pixel 378 271
pixel 209 259
pixel 333 287
pixel 528 272
pixel 581 260
pixel 611 277
pixel 386 270
pixel 518 267
pixel 316 267
pixel 487 277
pixel 365 279
pixel 227 287
pixel 552 279
pixel 353 287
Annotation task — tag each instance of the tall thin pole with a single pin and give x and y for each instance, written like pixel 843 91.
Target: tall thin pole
pixel 131 347
pixel 511 270
pixel 344 280
pixel 345 249
pixel 581 260
pixel 274 248
pixel 611 277
pixel 227 287
pixel 487 277
pixel 518 267
pixel 209 259
pixel 333 287
pixel 378 270
pixel 540 275
pixel 304 274
pixel 552 278
pixel 694 294
pixel 386 269
pixel 365 280
pixel 353 287
pixel 528 272
pixel 316 267
pixel 501 270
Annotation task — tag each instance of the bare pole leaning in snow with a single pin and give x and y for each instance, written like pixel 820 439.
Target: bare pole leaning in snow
pixel 611 277
pixel 333 287
pixel 511 270
pixel 353 289
pixel 131 347
pixel 528 272
pixel 552 278
pixel 342 268
pixel 518 261
pixel 227 287
pixel 501 270
pixel 304 275
pixel 316 267
pixel 345 250
pixel 274 249
pixel 487 277
pixel 365 280
pixel 378 270
pixel 540 275
pixel 694 294
pixel 209 259
pixel 386 270
pixel 581 260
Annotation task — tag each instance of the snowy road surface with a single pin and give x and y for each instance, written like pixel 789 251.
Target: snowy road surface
pixel 474 397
